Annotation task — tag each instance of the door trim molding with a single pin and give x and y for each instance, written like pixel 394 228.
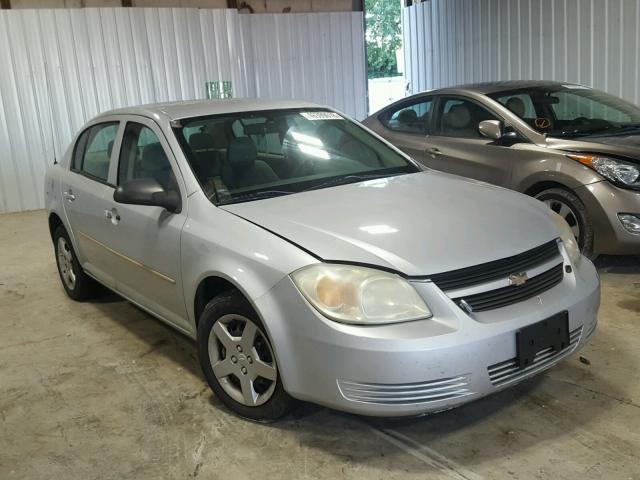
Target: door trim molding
pixel 128 259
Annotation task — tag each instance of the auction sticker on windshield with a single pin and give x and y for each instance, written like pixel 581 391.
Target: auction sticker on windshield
pixel 321 115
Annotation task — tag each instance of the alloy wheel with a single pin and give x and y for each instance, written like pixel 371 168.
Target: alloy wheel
pixel 65 263
pixel 566 212
pixel 242 360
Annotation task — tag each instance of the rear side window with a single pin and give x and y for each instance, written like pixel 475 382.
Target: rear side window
pixel 142 156
pixel 93 150
pixel 409 117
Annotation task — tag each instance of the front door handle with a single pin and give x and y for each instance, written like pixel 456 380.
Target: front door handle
pixel 112 215
pixel 434 151
pixel 69 196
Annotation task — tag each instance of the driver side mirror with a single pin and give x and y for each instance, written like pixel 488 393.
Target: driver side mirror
pixel 491 129
pixel 147 191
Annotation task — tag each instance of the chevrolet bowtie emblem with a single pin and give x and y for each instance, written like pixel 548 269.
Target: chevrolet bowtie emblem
pixel 518 279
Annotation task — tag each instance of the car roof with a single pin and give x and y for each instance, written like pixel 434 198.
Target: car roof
pixel 494 87
pixel 198 108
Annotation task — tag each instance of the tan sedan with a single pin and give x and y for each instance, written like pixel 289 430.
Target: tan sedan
pixel 572 147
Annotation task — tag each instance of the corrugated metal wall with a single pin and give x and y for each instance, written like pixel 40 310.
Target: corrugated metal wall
pixel 64 66
pixel 292 53
pixel 592 42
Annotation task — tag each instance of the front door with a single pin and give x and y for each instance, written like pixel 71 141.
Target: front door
pixel 455 144
pixel 145 240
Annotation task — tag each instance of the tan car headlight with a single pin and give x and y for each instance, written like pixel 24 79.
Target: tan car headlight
pixel 568 238
pixel 360 295
pixel 620 172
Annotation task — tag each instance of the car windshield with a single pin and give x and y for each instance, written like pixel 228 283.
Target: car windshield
pixel 571 110
pixel 254 155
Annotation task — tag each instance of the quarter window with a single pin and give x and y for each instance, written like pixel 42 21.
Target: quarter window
pixel 93 150
pixel 142 156
pixel 409 118
pixel 460 118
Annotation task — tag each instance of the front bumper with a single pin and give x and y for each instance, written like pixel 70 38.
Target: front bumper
pixel 422 366
pixel 603 202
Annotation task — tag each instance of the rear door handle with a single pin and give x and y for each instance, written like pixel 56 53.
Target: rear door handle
pixel 69 196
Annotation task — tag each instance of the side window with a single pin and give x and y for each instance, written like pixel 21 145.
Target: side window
pixel 142 156
pixel 460 118
pixel 409 118
pixel 93 150
pixel 520 104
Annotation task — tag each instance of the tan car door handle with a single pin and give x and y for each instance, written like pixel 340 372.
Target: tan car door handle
pixel 433 152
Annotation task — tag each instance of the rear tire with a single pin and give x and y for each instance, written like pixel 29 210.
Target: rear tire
pixel 238 361
pixel 570 207
pixel 78 285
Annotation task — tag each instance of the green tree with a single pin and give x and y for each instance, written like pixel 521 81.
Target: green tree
pixel 382 37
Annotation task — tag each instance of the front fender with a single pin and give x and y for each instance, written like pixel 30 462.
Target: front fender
pixel 216 243
pixel 556 168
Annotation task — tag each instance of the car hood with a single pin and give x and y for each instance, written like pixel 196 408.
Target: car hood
pixel 627 146
pixel 417 224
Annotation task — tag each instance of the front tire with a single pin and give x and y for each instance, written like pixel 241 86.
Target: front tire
pixel 238 360
pixel 78 285
pixel 567 204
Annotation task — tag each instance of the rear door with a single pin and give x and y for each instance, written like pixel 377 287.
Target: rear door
pixel 406 126
pixel 88 193
pixel 455 144
pixel 145 240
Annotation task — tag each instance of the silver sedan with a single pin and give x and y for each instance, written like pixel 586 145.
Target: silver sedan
pixel 312 260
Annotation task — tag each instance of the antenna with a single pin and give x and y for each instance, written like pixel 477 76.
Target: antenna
pixel 51 123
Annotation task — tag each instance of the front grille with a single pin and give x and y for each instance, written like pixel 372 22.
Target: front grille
pixel 407 393
pixel 502 297
pixel 486 272
pixel 509 371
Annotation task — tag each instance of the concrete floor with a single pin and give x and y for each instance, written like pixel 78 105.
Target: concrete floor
pixel 102 390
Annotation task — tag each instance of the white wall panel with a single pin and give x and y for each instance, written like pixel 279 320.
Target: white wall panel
pixel 592 42
pixel 64 66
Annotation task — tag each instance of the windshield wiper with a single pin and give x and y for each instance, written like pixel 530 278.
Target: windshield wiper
pixel 249 196
pixel 621 129
pixel 352 178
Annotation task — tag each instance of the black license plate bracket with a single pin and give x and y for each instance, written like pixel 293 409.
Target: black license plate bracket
pixel 551 332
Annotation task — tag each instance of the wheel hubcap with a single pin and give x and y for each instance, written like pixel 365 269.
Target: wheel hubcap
pixel 566 212
pixel 65 264
pixel 242 360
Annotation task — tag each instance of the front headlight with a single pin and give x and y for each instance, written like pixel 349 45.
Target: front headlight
pixel 359 295
pixel 567 237
pixel 625 174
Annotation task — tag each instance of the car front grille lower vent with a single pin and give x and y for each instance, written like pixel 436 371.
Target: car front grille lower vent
pixel 504 296
pixel 508 371
pixel 486 272
pixel 406 393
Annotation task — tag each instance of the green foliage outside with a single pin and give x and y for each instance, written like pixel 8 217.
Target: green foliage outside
pixel 382 37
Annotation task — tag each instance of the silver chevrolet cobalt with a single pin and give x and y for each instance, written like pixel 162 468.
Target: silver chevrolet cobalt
pixel 312 260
